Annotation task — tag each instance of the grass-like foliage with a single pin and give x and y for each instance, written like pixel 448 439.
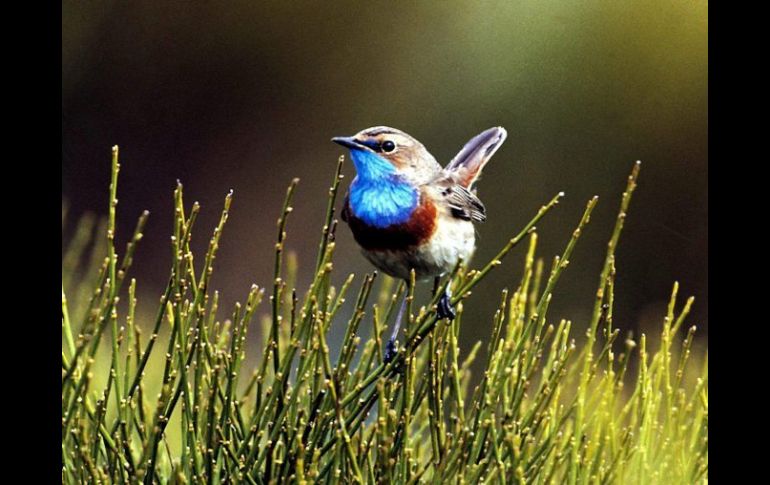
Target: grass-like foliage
pixel 176 399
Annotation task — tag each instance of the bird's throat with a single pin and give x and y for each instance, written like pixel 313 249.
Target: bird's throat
pixel 378 195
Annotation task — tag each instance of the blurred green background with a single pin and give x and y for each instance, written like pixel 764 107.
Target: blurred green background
pixel 246 95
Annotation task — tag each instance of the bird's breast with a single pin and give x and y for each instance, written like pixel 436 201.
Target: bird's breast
pixel 450 241
pixel 417 229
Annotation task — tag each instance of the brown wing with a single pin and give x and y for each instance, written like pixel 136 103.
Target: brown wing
pixel 462 203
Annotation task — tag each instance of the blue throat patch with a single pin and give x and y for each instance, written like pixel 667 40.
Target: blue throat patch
pixel 378 195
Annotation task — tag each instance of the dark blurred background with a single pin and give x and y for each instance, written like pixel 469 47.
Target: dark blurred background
pixel 246 95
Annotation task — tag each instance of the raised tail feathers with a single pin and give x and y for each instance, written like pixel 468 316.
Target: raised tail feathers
pixel 469 162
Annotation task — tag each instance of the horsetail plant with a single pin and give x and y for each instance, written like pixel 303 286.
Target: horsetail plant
pixel 548 407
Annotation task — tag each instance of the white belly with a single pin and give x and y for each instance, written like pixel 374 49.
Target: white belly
pixel 454 239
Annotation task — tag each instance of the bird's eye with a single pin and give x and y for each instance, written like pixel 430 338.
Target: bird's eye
pixel 388 146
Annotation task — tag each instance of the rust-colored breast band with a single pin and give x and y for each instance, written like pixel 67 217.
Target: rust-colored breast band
pixel 398 237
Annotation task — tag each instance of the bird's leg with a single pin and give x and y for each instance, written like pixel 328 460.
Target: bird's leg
pixel 436 282
pixel 444 308
pixel 390 347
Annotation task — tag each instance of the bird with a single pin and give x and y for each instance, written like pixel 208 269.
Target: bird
pixel 408 213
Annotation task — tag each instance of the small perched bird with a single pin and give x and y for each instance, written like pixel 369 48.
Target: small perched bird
pixel 407 212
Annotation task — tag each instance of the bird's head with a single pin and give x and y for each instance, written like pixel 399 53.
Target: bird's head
pixel 381 151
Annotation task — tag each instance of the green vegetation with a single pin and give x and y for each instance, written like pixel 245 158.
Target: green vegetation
pixel 172 400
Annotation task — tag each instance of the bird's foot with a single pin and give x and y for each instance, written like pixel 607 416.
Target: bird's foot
pixel 390 351
pixel 444 308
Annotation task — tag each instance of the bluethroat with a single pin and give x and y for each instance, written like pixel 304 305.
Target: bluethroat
pixel 407 212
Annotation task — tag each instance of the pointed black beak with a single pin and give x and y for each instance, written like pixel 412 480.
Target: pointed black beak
pixel 347 141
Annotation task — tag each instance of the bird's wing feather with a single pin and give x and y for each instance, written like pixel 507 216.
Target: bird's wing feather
pixel 461 202
pixel 470 161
